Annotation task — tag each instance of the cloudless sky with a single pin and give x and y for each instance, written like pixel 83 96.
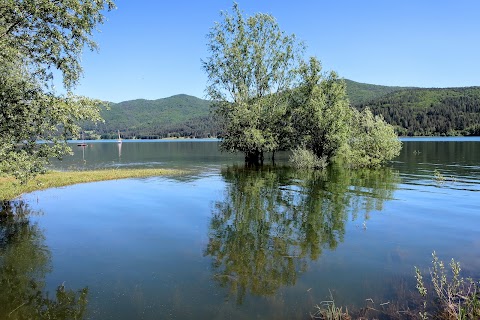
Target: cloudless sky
pixel 153 49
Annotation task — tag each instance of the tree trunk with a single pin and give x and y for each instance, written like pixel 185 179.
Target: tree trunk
pixel 252 157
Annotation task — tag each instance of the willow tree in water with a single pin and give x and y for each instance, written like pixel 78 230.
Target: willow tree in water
pixel 252 63
pixel 321 112
pixel 269 99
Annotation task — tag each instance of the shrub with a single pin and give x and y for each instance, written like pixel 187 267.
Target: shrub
pixel 457 298
pixel 373 141
pixel 302 158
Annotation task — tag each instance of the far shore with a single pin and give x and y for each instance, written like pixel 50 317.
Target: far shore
pixel 403 138
pixel 11 188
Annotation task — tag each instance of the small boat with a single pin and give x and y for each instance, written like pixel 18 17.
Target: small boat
pixel 82 144
pixel 119 138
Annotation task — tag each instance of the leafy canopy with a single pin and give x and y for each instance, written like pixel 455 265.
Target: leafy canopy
pixel 270 99
pixel 37 40
pixel 251 63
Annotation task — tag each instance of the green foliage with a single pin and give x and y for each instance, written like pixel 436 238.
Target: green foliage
pixel 438 177
pixel 10 188
pixel 36 38
pixel 372 141
pixel 172 117
pixel 327 310
pixel 321 112
pixel 455 297
pixel 251 63
pixel 327 126
pixel 47 35
pixel 426 112
pixel 305 159
pixel 28 114
pixel 268 99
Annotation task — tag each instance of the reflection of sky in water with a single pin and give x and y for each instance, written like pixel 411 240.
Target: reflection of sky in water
pixel 140 245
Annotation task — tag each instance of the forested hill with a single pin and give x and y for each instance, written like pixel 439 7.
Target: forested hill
pixel 413 111
pixel 359 93
pixel 179 115
pixel 425 112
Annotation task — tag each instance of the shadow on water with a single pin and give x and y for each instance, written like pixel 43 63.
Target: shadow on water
pixel 274 220
pixel 25 261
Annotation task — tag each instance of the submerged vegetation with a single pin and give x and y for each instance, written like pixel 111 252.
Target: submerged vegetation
pixel 302 158
pixel 11 187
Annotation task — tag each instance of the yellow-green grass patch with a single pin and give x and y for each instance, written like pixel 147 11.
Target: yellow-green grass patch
pixel 11 188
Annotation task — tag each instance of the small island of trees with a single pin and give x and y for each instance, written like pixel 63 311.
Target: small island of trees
pixel 268 98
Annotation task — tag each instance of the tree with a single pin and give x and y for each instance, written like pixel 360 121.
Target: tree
pixel 372 142
pixel 270 99
pixel 252 64
pixel 37 39
pixel 321 112
pixel 327 129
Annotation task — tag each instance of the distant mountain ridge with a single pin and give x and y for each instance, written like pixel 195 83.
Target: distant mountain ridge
pixel 178 115
pixel 430 111
pixel 363 92
pixel 413 111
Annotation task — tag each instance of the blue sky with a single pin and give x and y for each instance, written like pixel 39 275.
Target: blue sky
pixel 153 49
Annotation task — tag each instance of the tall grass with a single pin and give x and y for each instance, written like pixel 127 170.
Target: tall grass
pixel 11 188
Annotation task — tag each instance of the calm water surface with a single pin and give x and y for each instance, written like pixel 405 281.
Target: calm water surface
pixel 229 242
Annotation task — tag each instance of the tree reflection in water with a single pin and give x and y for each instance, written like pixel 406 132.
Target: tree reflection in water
pixel 273 221
pixel 24 262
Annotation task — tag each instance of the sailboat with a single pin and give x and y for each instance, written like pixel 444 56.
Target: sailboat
pixel 82 144
pixel 119 138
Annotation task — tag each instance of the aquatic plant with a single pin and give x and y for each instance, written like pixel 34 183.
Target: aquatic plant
pixel 448 296
pixel 439 178
pixel 455 297
pixel 327 310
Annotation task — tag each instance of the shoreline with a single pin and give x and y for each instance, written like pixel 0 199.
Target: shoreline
pixel 11 188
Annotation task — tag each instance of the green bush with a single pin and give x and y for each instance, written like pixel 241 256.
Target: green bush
pixel 455 298
pixel 302 158
pixel 373 141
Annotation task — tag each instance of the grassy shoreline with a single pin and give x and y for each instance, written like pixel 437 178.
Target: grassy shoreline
pixel 11 188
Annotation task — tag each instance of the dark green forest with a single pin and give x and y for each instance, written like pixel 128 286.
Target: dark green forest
pixel 413 112
pixel 430 112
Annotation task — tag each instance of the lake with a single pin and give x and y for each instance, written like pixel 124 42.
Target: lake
pixel 231 242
